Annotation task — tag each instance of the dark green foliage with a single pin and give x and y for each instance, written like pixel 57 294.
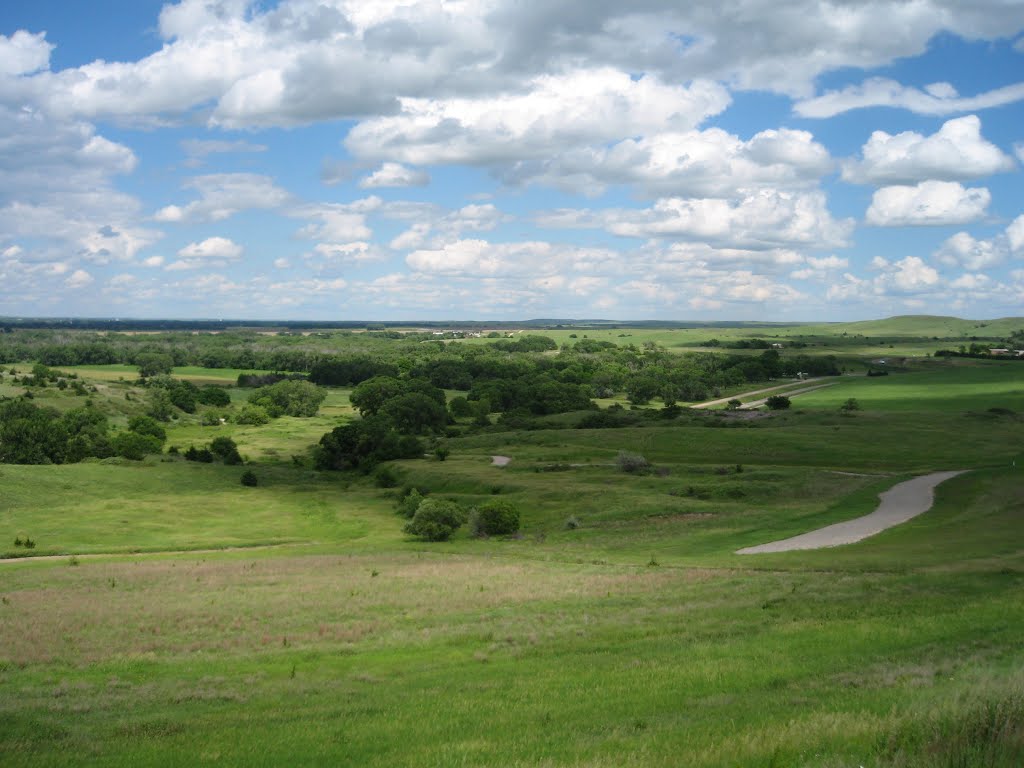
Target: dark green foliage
pixel 642 388
pixel 160 406
pixel 408 505
pixel 87 434
pixel 633 463
pixel 249 479
pixel 436 520
pixel 255 380
pixel 183 396
pixel 135 446
pixel 212 418
pixel 539 394
pixel 214 395
pixel 526 344
pixel 497 518
pixel 147 425
pixel 386 477
pixel 415 413
pixel 225 449
pixel 601 420
pixel 349 371
pixel 363 444
pixel 850 406
pixel 33 435
pixel 30 435
pixel 777 402
pixel 154 364
pixel 370 397
pixel 202 455
pixel 460 407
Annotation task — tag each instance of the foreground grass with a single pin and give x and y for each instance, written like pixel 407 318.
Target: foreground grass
pixel 422 660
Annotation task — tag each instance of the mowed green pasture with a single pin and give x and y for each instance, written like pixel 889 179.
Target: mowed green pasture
pixel 176 505
pixel 195 374
pixel 636 638
pixel 950 387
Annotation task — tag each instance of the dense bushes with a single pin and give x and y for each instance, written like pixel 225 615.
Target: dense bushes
pixel 364 444
pixel 135 446
pixel 33 435
pixel 220 448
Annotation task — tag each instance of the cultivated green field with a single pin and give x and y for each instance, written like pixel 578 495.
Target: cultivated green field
pixel 168 615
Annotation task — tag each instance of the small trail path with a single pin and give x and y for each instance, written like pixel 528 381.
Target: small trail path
pixel 725 400
pixel 900 503
pixel 163 552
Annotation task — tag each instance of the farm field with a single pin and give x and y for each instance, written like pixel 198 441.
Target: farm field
pixel 168 615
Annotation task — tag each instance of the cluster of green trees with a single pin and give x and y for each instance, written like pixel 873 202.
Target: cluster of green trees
pixel 30 434
pixel 505 372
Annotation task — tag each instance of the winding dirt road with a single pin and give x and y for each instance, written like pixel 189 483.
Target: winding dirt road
pixel 900 503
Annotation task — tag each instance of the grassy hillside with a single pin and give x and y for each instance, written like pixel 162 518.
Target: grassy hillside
pixel 184 619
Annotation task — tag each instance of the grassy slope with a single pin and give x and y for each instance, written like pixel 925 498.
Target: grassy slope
pixel 638 639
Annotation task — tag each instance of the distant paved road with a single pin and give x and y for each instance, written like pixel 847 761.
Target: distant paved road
pixel 725 400
pixel 791 393
pixel 900 503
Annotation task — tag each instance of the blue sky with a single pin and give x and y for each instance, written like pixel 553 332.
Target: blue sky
pixel 509 159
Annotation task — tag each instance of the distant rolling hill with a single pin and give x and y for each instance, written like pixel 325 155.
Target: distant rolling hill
pixel 932 325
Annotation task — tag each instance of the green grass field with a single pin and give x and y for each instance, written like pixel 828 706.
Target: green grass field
pixel 295 624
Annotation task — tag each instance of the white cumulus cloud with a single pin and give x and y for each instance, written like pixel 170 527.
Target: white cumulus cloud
pixel 936 99
pixel 764 219
pixel 224 194
pixel 395 175
pixel 708 163
pixel 24 53
pixel 930 203
pixel 215 250
pixel 79 279
pixel 556 112
pixel 956 152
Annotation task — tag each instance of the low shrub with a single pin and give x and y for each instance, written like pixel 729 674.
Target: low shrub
pixel 386 477
pixel 409 503
pixel 249 479
pixel 436 520
pixel 497 518
pixel 632 463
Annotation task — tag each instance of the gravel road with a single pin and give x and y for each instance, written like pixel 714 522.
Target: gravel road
pixel 899 504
